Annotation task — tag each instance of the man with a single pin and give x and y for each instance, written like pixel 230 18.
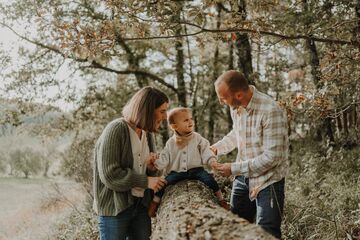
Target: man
pixel 260 134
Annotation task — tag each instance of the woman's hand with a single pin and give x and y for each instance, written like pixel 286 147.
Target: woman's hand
pixel 156 183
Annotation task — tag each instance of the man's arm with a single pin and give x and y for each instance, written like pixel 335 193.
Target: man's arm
pixel 225 145
pixel 274 145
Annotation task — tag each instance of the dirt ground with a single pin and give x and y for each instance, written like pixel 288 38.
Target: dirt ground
pixel 31 207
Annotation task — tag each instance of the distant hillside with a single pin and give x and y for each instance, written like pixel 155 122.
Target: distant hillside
pixel 16 113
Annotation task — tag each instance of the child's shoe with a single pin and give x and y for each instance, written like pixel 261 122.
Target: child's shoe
pixel 224 204
pixel 153 206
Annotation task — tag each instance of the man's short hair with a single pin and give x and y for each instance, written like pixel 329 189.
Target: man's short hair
pixel 140 109
pixel 236 81
pixel 174 112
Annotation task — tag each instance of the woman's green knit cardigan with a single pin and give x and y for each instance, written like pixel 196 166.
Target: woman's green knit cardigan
pixel 113 175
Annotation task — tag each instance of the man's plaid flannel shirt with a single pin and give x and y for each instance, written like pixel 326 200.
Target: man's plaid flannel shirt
pixel 260 134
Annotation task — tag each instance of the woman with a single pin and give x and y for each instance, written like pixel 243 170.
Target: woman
pixel 122 181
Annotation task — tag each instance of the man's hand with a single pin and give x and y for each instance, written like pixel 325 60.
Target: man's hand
pixel 224 169
pixel 214 150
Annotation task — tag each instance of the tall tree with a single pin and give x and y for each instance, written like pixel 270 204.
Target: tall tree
pixel 316 74
pixel 180 60
pixel 212 94
pixel 243 46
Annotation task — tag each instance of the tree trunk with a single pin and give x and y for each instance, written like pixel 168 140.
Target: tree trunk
pixel 202 108
pixel 329 130
pixel 351 117
pixel 314 62
pixel 193 83
pixel 231 67
pixel 194 103
pixel 355 117
pixel 189 211
pixel 133 60
pixel 180 71
pixel 345 122
pixel 46 169
pixel 244 48
pixel 357 28
pixel 180 62
pixel 212 95
pixel 339 123
pixel 315 71
pixel 258 57
pixel 213 100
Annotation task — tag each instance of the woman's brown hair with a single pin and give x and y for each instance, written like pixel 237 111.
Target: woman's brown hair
pixel 139 110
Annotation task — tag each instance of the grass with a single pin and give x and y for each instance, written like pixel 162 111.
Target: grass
pixel 30 207
pixel 18 180
pixel 32 180
pixel 322 193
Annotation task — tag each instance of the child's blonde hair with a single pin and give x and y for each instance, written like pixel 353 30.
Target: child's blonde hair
pixel 174 112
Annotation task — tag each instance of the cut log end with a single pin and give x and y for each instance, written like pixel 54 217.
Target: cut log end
pixel 189 210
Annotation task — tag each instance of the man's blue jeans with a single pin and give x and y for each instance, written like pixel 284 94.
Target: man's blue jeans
pixel 198 173
pixel 267 208
pixel 132 224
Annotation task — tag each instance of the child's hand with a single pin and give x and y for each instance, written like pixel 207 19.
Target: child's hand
pixel 151 158
pixel 214 150
pixel 214 164
pixel 224 169
pixel 150 161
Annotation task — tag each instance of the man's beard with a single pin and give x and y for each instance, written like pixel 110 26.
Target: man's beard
pixel 235 104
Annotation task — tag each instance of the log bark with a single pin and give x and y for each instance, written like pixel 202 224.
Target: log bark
pixel 189 211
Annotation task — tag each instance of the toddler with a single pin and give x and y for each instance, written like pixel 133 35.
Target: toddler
pixel 183 157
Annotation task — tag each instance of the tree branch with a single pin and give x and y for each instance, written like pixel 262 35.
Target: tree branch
pixel 246 30
pixel 51 48
pixel 94 64
pixel 32 41
pixel 137 71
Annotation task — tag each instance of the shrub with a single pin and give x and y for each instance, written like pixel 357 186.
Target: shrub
pixel 26 161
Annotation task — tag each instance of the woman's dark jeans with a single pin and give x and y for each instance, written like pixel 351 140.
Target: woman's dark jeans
pixel 132 224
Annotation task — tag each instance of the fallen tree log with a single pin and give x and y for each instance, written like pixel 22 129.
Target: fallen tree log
pixel 189 210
